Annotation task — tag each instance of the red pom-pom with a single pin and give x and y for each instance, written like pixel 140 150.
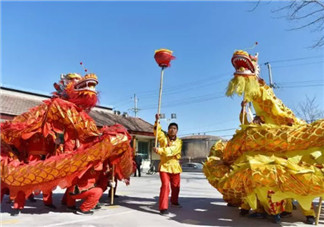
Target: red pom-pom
pixel 80 63
pixel 163 57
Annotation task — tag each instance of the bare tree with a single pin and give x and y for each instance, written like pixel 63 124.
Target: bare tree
pixel 309 110
pixel 309 13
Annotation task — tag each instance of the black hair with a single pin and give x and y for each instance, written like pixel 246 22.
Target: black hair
pixel 173 124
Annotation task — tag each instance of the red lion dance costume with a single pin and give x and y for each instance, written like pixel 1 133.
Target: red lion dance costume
pixel 55 143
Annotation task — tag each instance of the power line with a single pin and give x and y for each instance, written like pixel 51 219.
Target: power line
pixel 195 83
pixel 209 81
pixel 204 98
pixel 300 81
pixel 300 86
pixel 176 89
pixel 209 125
pixel 309 63
pixel 294 59
pixel 185 102
pixel 184 89
pixel 217 130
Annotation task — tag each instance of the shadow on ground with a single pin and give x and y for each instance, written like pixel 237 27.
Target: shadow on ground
pixel 38 206
pixel 194 211
pixel 204 211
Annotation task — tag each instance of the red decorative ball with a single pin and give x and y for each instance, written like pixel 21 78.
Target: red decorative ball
pixel 163 57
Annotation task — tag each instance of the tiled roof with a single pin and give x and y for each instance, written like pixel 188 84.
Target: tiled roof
pixel 131 123
pixel 15 102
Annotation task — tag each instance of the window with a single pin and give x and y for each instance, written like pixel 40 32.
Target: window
pixel 143 148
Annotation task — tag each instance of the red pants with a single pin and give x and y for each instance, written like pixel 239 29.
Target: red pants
pixel 91 198
pixel 166 179
pixel 19 202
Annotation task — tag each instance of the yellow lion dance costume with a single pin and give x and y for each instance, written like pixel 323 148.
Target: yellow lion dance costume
pixel 271 163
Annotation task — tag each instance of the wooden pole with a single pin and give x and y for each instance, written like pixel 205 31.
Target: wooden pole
pixel 318 211
pixel 250 112
pixel 159 105
pixel 112 190
pixel 243 114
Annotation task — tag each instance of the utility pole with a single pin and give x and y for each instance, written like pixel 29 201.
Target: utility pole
pixel 270 74
pixel 135 109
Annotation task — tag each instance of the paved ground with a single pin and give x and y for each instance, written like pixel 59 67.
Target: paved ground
pixel 138 206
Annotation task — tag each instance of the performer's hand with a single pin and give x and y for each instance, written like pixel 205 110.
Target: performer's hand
pixel 108 169
pixel 112 184
pixel 156 150
pixel 157 117
pixel 126 181
pixel 243 103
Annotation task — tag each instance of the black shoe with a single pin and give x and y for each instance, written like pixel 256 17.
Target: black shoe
pixel 51 206
pixel 285 214
pixel 32 199
pixel 244 212
pixel 310 220
pixel 276 219
pixel 164 212
pixel 80 212
pixel 98 206
pixel 15 212
pixel 230 205
pixel 73 208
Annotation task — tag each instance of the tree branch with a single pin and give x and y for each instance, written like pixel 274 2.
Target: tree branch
pixel 256 6
pixel 319 3
pixel 309 24
pixel 307 15
pixel 319 43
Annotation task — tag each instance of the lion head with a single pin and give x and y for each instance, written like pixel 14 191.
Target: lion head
pixel 78 90
pixel 246 76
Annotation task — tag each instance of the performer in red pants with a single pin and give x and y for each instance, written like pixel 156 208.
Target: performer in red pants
pixel 19 203
pixel 20 199
pixel 47 195
pixel 87 190
pixel 169 168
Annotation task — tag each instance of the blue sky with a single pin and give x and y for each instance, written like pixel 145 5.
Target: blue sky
pixel 117 40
